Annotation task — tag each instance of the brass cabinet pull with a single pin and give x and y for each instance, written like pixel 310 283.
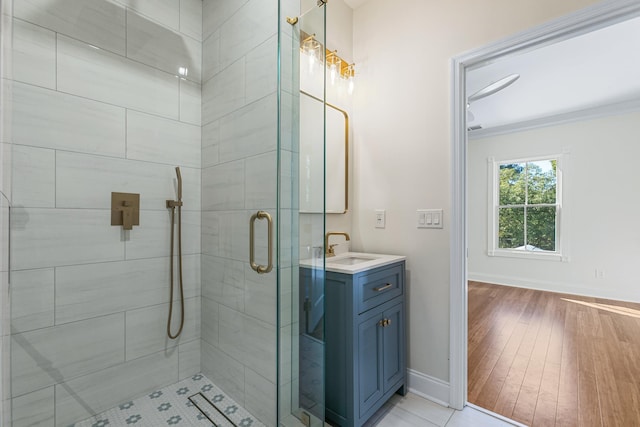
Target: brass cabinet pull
pixel 384 323
pixel 382 288
pixel 261 269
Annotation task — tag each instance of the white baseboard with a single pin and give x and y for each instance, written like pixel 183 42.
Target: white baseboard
pixel 559 287
pixel 428 387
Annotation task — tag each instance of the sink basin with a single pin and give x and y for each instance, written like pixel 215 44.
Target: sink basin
pixel 351 262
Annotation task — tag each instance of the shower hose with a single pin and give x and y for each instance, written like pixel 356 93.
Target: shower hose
pixel 171 280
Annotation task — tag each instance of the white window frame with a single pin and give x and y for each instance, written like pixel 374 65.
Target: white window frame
pixel 494 203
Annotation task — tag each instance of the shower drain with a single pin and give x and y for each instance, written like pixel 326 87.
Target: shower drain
pixel 208 409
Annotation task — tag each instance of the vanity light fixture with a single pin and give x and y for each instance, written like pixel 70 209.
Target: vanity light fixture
pixel 337 66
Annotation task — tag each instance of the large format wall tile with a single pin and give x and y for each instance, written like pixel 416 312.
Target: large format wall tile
pixel 92 290
pixel 191 18
pixel 32 294
pixel 226 234
pixel 162 48
pixel 223 281
pixel 249 341
pixel 33 177
pixel 254 23
pixel 190 102
pixel 154 139
pixel 189 359
pixel 34 54
pixel 260 397
pixel 260 295
pixel 97 22
pixel 45 357
pixel 85 396
pixel 211 56
pixel 146 331
pixel 45 118
pixel 261 185
pixel 152 238
pixel 224 93
pixel 101 75
pixel 54 237
pixel 85 181
pixel 35 409
pixel 210 144
pixel 251 130
pixel 216 12
pixel 225 371
pixel 262 70
pixel 223 186
pixel 167 12
pixel 210 321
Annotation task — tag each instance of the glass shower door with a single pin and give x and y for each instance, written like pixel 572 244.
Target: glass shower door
pixel 302 361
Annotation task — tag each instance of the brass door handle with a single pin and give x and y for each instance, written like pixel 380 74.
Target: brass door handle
pixel 382 288
pixel 384 323
pixel 261 269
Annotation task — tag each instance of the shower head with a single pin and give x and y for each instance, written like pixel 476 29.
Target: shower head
pixel 179 183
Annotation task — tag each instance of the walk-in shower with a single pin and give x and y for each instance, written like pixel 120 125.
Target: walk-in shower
pixel 134 96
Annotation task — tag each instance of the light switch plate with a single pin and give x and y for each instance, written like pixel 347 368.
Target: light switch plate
pixel 380 218
pixel 429 218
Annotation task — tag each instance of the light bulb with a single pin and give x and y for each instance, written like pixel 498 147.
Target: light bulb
pixel 351 85
pixel 334 72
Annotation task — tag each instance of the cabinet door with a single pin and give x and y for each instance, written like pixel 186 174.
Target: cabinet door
pixel 370 379
pixel 393 348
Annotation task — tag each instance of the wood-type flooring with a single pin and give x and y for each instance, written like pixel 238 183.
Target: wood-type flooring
pixel 550 359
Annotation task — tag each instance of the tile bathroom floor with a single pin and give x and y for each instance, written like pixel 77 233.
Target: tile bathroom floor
pixel 415 411
pixel 171 406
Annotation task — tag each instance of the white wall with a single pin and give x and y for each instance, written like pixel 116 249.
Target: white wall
pixel 402 139
pixel 600 212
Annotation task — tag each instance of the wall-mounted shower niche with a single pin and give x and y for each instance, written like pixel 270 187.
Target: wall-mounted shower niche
pixel 125 210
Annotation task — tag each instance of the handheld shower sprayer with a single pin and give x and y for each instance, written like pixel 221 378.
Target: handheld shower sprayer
pixel 173 204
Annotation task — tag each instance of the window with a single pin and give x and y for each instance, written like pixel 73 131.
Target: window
pixel 526 208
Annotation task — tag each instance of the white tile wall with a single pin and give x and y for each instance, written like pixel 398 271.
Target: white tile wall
pixel 211 57
pixel 191 18
pixel 33 177
pixel 98 74
pixel 249 131
pixel 158 47
pixel 166 12
pixel 188 359
pixel 97 22
pixel 98 108
pixel 45 357
pixel 32 294
pixel 155 139
pixel 80 398
pixel 36 409
pixel 260 397
pixel 210 321
pixel 216 12
pixel 34 54
pixel 225 371
pixel 224 93
pixel 44 118
pixel 225 280
pixel 55 237
pixel 190 102
pixel 261 181
pixel 146 331
pixel 225 234
pixel 262 70
pixel 210 144
pixel 152 238
pixel 85 181
pixel 224 186
pixel 86 291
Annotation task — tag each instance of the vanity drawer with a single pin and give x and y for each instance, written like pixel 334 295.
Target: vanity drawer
pixel 378 287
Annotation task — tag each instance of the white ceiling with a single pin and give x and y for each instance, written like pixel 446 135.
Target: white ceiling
pixel 591 70
pixel 355 3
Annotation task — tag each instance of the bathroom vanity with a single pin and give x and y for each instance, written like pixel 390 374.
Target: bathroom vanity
pixel 364 333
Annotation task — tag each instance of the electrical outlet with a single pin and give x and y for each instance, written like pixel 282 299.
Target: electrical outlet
pixel 380 218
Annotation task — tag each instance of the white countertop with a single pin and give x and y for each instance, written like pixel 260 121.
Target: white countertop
pixel 352 262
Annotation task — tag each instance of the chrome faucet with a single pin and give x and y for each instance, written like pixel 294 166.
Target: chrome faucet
pixel 329 251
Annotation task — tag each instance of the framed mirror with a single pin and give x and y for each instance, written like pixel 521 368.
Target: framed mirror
pixel 312 157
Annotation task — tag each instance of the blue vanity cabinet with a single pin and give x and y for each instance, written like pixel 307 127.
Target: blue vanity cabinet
pixel 364 342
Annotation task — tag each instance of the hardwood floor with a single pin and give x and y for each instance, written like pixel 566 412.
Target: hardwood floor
pixel 549 359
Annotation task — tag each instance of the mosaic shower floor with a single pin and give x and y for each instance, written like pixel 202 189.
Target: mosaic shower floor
pixel 171 406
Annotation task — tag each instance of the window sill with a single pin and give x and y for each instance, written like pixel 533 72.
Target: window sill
pixel 545 256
